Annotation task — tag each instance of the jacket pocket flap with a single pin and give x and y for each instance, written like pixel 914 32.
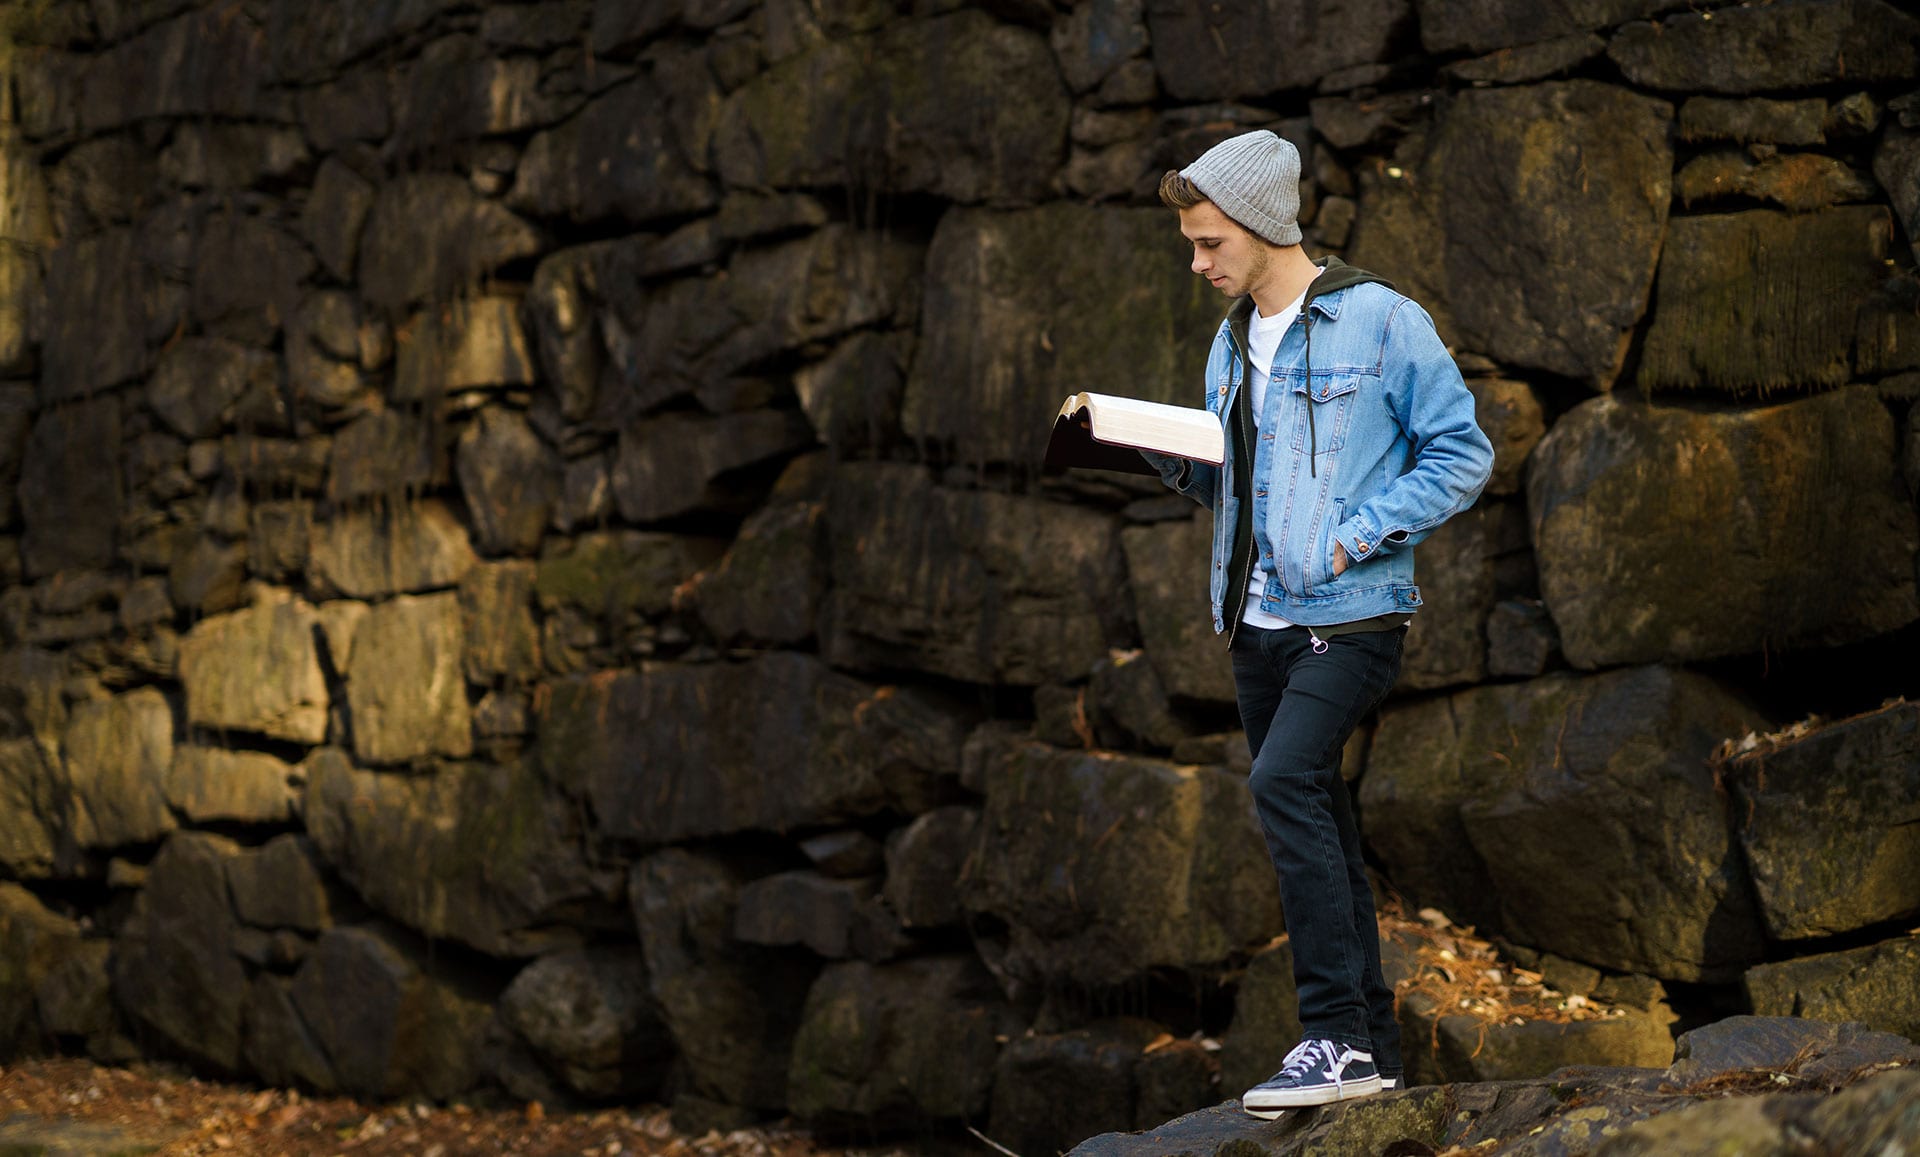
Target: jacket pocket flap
pixel 1326 389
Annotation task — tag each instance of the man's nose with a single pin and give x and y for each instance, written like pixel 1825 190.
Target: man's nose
pixel 1200 262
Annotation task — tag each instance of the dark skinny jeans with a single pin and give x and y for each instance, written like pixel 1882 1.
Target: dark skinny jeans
pixel 1299 707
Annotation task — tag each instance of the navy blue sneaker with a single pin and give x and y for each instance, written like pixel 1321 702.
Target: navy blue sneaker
pixel 1316 1072
pixel 1389 1083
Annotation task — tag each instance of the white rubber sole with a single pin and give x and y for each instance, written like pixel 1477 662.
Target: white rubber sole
pixel 1268 1104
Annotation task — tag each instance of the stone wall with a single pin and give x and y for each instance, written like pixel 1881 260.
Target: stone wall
pixel 524 564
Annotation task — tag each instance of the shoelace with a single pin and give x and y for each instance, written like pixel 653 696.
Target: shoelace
pixel 1305 1056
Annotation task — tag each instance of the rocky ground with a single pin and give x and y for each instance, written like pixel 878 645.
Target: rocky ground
pixel 1746 1085
pixel 67 1106
pixel 1742 1087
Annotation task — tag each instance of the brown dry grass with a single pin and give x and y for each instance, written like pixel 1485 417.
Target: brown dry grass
pixel 189 1117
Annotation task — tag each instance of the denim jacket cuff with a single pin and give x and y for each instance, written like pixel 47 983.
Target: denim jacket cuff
pixel 1175 471
pixel 1356 540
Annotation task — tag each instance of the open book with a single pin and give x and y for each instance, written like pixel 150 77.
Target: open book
pixel 1120 426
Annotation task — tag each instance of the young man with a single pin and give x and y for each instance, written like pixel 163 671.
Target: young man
pixel 1350 437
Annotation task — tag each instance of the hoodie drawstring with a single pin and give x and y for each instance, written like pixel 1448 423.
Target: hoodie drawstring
pixel 1313 441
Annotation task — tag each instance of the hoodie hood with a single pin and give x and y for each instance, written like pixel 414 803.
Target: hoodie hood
pixel 1335 276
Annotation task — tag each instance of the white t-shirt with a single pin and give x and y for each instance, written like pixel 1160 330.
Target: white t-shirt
pixel 1263 339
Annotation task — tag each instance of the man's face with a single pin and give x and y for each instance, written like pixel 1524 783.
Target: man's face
pixel 1232 260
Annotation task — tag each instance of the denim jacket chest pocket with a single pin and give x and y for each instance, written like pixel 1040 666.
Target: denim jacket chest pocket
pixel 1332 396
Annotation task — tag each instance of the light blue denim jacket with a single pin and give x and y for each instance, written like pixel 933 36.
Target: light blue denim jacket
pixel 1389 451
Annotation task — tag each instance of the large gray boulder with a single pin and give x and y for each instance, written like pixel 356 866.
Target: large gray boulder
pixel 16 420
pixel 478 853
pixel 732 1010
pixel 681 751
pixel 616 159
pixel 676 464
pixel 1763 300
pixel 794 296
pixel 1897 167
pixel 561 312
pixel 959 105
pixel 118 752
pixel 496 616
pixel 1168 574
pixel 1634 565
pixel 281 884
pixel 198 64
pixel 1104 866
pixel 1873 985
pixel 617 343
pixel 459 87
pixel 1525 286
pixel 1447 641
pixel 333 215
pixel 385 454
pixel 1514 421
pixel 471 343
pixel 70 506
pixel 199 379
pixel 1831 823
pixel 924 862
pixel 832 917
pixel 898 1044
pixel 28 226
pixel 613 575
pixel 589 1016
pixel 1470 1049
pixel 1487 25
pixel 1050 1090
pixel 1811 1049
pixel 104 280
pixel 510 479
pixel 278 1046
pixel 1167 566
pixel 429 235
pixel 174 971
pixel 213 784
pixel 31 823
pixel 974 585
pixel 389 1027
pixel 37 943
pixel 1200 52
pixel 1473 800
pixel 1558 279
pixel 1872 1116
pixel 1798 182
pixel 257 670
pixel 311 44
pixel 406 684
pixel 389 548
pixel 1797 44
pixel 1025 308
pixel 853 395
pixel 771 584
pixel 247 273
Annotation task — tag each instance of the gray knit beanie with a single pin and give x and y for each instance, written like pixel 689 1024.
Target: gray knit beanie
pixel 1255 179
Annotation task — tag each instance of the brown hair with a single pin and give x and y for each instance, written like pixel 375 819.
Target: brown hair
pixel 1176 192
